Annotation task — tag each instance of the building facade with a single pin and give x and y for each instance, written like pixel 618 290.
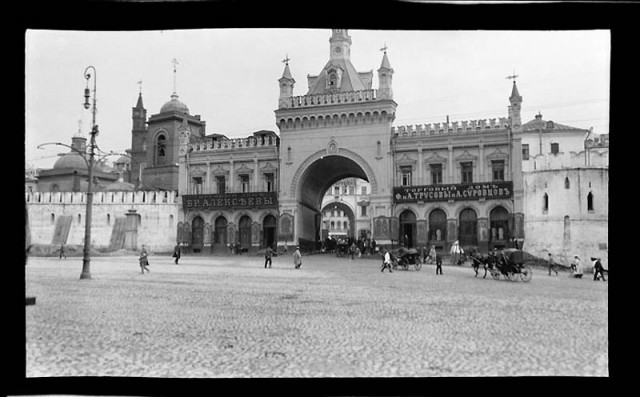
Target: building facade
pixel 566 183
pixel 480 182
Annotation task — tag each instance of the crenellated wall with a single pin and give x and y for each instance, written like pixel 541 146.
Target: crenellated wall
pixel 330 99
pixel 157 216
pixel 462 126
pixel 251 142
pixel 592 158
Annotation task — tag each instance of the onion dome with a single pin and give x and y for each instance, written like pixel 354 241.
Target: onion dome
pixel 174 105
pixel 71 160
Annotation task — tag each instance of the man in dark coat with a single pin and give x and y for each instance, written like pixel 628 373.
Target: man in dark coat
pixel 176 253
pixel 267 257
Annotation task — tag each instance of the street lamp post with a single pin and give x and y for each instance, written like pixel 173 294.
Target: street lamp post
pixel 86 259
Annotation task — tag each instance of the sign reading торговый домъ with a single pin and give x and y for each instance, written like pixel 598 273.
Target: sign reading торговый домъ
pixel 230 200
pixel 456 192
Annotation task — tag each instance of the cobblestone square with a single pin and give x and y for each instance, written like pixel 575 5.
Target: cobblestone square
pixel 229 317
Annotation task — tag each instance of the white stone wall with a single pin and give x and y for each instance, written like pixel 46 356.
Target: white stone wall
pixel 158 218
pixel 587 232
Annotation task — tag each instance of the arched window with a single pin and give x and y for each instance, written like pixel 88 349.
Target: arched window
pixel 545 203
pixel 590 202
pixel 161 147
pixel 53 219
pixel 79 218
pixel 566 183
pixel 108 219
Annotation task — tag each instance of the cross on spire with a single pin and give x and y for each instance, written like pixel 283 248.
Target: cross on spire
pixel 140 85
pixel 286 59
pixel 513 76
pixel 175 65
pixel 384 48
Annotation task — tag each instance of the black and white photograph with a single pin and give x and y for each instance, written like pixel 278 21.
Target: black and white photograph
pixel 312 203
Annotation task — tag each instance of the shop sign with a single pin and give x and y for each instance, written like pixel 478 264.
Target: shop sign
pixel 456 192
pixel 230 201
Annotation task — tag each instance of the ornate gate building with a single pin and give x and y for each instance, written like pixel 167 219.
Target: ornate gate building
pixel 429 184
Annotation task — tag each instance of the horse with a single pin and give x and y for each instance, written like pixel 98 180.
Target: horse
pixel 478 258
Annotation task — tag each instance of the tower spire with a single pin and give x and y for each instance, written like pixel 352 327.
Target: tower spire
pixel 385 76
pixel 175 84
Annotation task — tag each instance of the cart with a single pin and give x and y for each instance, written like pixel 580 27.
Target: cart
pixel 511 266
pixel 405 257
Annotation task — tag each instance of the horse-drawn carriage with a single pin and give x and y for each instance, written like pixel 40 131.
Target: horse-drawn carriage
pixel 508 263
pixel 405 257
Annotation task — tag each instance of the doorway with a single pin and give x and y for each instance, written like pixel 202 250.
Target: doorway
pixel 197 230
pixel 408 229
pixel 269 231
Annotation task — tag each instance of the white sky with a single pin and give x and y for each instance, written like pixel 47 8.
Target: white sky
pixel 229 77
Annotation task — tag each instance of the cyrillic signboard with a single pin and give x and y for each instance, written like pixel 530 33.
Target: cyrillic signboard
pixel 456 192
pixel 230 201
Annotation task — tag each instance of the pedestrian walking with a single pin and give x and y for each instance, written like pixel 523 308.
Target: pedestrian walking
pixel 62 251
pixel 386 260
pixel 176 253
pixel 551 264
pixel 297 258
pixel 577 266
pixel 432 254
pixel 144 260
pixel 352 250
pixel 438 264
pixel 455 252
pixel 598 270
pixel 267 256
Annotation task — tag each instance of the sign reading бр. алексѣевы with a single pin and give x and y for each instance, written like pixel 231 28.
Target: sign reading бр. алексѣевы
pixel 230 200
pixel 456 192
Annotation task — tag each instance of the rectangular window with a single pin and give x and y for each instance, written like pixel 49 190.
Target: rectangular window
pixel 269 182
pixel 436 174
pixel 497 167
pixel 197 185
pixel 405 175
pixel 555 148
pixel 244 183
pixel 220 184
pixel 363 190
pixel 364 210
pixel 336 190
pixel 352 190
pixel 467 172
pixel 525 151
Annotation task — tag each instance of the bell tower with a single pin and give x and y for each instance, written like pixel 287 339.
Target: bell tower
pixel 340 44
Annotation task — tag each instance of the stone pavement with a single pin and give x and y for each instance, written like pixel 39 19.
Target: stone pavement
pixel 229 317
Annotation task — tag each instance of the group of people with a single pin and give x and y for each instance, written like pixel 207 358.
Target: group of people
pixel 350 246
pixel 297 257
pixel 577 269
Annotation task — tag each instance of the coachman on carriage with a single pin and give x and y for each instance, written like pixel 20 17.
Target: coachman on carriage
pixel 508 263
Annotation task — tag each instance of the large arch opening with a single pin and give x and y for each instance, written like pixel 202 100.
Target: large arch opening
pixel 313 184
pixel 338 221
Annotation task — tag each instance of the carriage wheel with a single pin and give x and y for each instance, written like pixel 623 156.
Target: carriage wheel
pixel 495 273
pixel 526 273
pixel 405 265
pixel 512 276
pixel 418 264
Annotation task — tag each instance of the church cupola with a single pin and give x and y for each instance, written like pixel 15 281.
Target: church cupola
pixel 286 85
pixel 385 77
pixel 340 44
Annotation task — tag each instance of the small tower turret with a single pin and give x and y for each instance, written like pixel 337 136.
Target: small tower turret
pixel 516 103
pixel 385 77
pixel 286 85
